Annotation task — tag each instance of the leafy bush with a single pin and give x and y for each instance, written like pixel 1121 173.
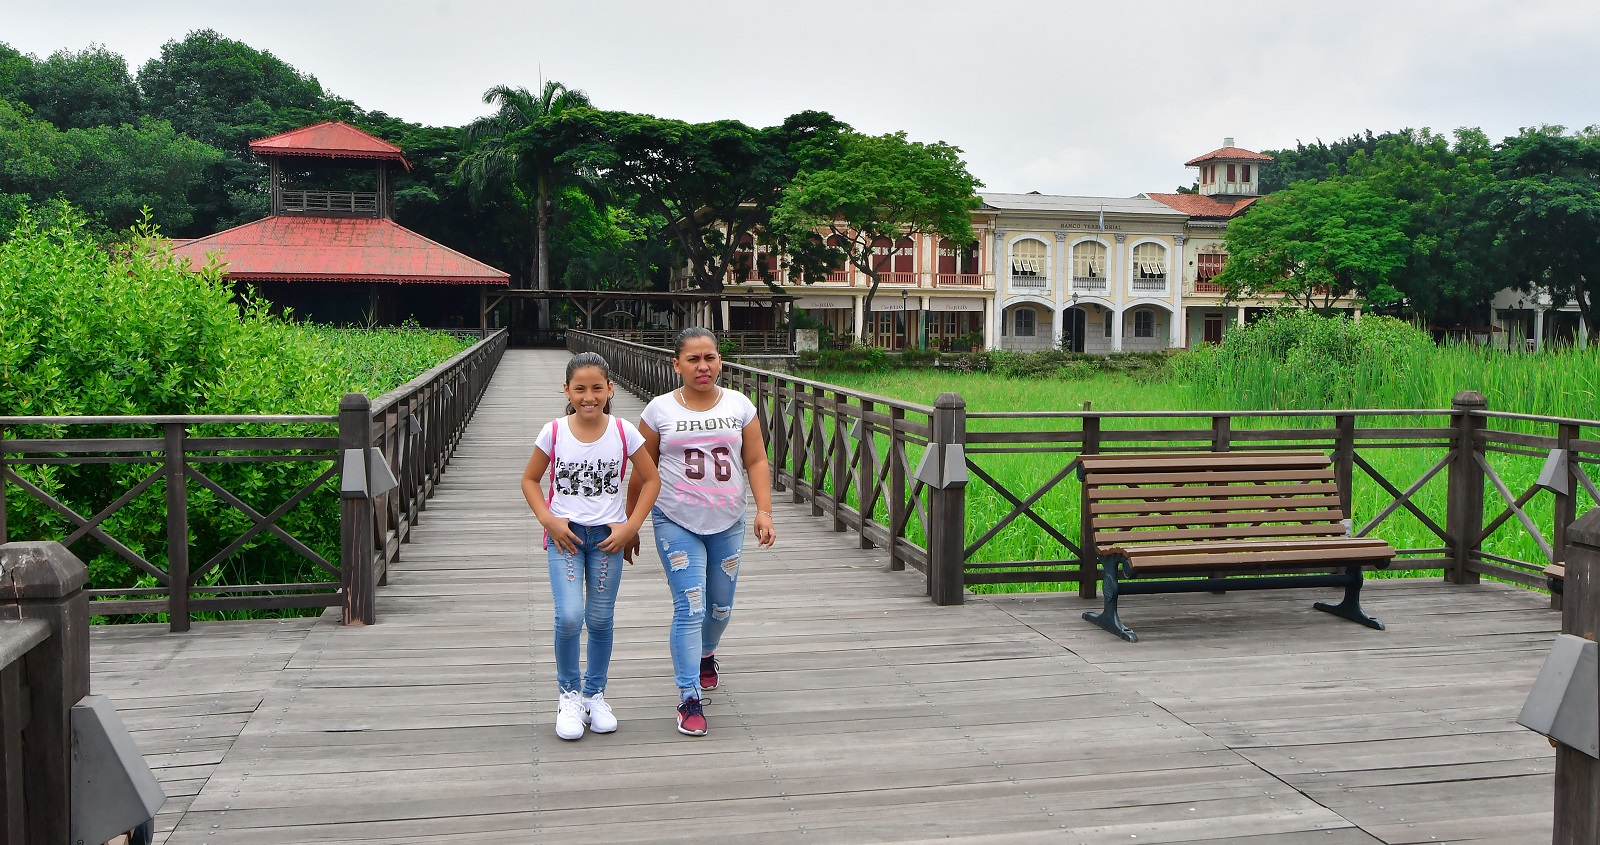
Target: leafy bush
pixel 86 330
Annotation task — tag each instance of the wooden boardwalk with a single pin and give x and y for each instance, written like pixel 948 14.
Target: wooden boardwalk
pixel 852 710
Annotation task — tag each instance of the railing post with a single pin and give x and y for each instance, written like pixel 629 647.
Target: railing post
pixel 355 510
pixel 896 456
pixel 1464 505
pixel 1088 555
pixel 177 530
pixel 1565 507
pixel 2 484
pixel 1221 433
pixel 819 468
pixel 779 437
pixel 44 581
pixel 797 441
pixel 1344 460
pixel 947 500
pixel 866 474
pixel 1577 788
pixel 841 459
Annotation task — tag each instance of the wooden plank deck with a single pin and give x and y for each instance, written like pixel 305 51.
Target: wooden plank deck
pixel 852 709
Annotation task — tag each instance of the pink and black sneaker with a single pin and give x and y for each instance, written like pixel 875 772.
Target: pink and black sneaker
pixel 708 672
pixel 691 718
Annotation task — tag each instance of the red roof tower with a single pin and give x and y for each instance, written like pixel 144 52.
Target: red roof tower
pixel 316 235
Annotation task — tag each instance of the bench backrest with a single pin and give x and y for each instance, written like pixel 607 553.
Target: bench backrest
pixel 1186 497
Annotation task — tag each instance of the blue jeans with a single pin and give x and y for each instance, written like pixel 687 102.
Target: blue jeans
pixel 697 586
pixel 570 575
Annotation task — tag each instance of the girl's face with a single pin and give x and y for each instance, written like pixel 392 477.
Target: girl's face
pixel 588 390
pixel 699 364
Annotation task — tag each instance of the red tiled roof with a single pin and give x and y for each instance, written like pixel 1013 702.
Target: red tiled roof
pixel 339 249
pixel 329 140
pixel 1229 153
pixel 1198 205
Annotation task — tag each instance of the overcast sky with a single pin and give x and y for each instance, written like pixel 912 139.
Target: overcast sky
pixel 1106 98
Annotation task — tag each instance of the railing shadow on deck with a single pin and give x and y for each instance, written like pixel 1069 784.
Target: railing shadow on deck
pixel 937 487
pixel 381 457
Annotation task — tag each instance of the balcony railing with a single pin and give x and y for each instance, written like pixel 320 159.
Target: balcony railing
pixel 841 276
pixel 330 202
pixel 1207 287
pixel 1089 283
pixel 898 278
pixel 958 280
pixel 1150 284
pixel 1030 281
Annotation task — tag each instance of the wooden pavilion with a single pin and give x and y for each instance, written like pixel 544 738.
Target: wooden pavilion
pixel 330 250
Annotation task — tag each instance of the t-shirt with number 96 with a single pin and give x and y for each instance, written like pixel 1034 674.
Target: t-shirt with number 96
pixel 702 467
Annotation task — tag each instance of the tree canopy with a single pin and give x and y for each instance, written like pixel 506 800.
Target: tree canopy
pixel 880 189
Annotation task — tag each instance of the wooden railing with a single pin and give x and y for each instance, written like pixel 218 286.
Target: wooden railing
pixel 777 342
pixel 999 500
pixel 414 430
pixel 958 280
pixel 330 202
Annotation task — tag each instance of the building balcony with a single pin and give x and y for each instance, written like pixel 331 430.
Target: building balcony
pixel 329 202
pixel 909 279
pixel 1150 285
pixel 1030 283
pixel 958 280
pixel 1091 284
pixel 841 277
pixel 1207 287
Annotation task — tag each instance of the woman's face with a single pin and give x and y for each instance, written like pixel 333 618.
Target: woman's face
pixel 698 363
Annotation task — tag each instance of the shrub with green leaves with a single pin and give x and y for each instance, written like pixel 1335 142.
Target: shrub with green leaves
pixel 90 330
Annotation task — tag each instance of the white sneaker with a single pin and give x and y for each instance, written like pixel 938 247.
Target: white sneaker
pixel 570 715
pixel 597 714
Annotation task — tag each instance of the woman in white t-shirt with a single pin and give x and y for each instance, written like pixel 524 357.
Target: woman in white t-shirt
pixel 706 441
pixel 585 456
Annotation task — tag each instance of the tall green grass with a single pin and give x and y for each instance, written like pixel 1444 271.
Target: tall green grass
pixel 1292 363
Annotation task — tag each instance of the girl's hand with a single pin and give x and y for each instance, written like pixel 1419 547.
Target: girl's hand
pixel 632 549
pixel 622 539
pixel 561 534
pixel 764 533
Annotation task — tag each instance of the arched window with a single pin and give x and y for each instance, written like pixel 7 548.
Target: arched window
pixel 1089 266
pixel 1149 267
pixel 954 259
pixel 1025 320
pixel 1028 258
pixel 1144 322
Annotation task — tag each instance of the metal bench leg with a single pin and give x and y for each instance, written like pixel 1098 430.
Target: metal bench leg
pixel 1108 618
pixel 1350 608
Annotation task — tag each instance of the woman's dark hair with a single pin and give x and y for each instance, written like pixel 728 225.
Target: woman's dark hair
pixel 587 359
pixel 689 334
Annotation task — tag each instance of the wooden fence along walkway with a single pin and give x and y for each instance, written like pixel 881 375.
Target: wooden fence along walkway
pixel 851 710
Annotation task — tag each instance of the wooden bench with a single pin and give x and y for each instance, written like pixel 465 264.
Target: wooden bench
pixel 1185 522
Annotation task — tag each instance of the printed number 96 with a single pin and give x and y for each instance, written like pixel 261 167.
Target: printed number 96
pixel 694 462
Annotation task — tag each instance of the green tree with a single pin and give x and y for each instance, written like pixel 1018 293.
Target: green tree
pixel 1546 205
pixel 708 184
pixel 80 90
pixel 16 69
pixel 111 171
pixel 881 188
pixel 1315 243
pixel 1450 272
pixel 509 152
pixel 1318 160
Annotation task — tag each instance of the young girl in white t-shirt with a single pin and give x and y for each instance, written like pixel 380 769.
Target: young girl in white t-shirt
pixel 711 452
pixel 585 457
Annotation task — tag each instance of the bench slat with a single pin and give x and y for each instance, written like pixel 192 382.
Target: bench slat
pixel 1159 475
pixel 1206 460
pixel 1224 491
pixel 1217 505
pixel 1113 523
pixel 1267 557
pixel 1135 549
pixel 1104 539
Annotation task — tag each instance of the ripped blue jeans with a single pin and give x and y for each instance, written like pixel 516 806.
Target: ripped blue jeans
pixel 598 573
pixel 702 570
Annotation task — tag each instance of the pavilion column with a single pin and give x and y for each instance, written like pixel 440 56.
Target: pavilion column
pixel 1538 329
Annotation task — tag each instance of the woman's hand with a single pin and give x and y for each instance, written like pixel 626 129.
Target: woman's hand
pixel 561 534
pixel 764 533
pixel 623 539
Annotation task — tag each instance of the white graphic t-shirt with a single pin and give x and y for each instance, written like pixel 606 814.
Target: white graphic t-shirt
pixel 702 460
pixel 587 479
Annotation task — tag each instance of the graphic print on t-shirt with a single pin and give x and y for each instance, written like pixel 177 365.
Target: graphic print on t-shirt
pixel 711 477
pixel 588 479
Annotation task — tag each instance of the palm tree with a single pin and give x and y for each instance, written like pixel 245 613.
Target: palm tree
pixel 502 155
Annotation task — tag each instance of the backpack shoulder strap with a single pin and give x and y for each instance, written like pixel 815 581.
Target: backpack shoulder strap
pixel 555 432
pixel 621 435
